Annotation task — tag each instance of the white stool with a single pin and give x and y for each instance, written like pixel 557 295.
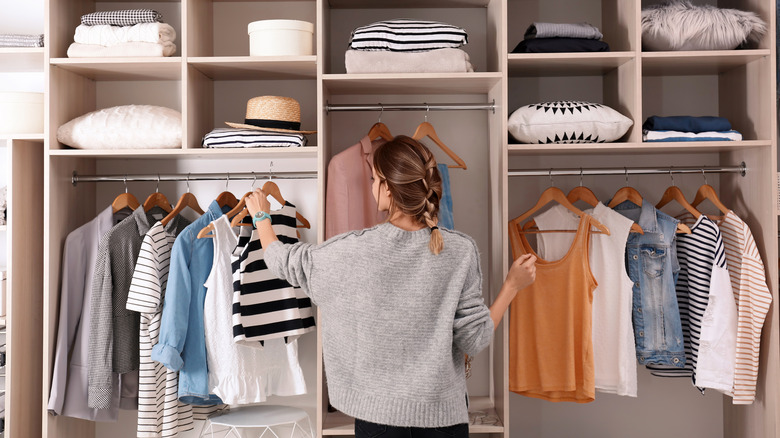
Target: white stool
pixel 263 416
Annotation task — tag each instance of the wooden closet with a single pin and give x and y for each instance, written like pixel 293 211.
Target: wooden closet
pixel 210 78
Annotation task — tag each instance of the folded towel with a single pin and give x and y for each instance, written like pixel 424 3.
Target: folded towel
pixel 434 61
pixel 251 138
pixel 651 136
pixel 563 30
pixel 559 45
pixel 122 50
pixel 18 40
pixel 126 17
pixel 406 35
pixel 686 124
pixel 105 35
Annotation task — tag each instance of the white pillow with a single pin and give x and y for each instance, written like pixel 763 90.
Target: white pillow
pixel 680 25
pixel 567 122
pixel 124 127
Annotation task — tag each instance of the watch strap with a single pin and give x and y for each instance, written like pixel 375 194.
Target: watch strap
pixel 259 216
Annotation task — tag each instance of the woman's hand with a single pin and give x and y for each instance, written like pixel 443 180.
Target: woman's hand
pixel 522 272
pixel 257 202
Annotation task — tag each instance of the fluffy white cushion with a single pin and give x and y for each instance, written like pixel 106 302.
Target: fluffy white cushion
pixel 567 122
pixel 124 127
pixel 680 25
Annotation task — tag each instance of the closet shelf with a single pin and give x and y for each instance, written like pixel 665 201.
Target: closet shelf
pixel 566 64
pixel 411 83
pixel 21 59
pixel 296 152
pixel 256 67
pixel 698 62
pixel 373 4
pixel 611 148
pixel 21 137
pixel 120 69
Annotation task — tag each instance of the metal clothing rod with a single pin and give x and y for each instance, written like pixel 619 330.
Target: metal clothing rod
pixel 76 178
pixel 741 169
pixel 491 106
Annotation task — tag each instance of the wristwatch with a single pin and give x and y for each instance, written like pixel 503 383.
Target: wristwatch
pixel 260 215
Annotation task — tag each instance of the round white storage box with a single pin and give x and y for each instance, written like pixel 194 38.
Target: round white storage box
pixel 280 38
pixel 21 113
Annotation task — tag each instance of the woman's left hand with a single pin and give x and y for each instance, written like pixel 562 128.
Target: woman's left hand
pixel 257 201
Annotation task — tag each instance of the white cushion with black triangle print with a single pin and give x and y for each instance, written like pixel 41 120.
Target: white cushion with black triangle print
pixel 567 122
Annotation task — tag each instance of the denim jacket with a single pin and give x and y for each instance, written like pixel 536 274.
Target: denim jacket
pixel 182 342
pixel 651 262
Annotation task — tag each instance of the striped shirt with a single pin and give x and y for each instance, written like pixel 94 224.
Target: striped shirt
pixel 251 138
pixel 265 306
pixel 748 281
pixel 405 35
pixel 160 413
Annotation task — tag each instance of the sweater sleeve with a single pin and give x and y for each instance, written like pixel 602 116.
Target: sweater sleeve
pixel 292 263
pixel 101 333
pixel 472 330
pixel 176 306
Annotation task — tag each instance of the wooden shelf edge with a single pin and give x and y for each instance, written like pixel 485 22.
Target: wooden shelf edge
pixel 570 55
pixel 21 137
pixel 296 152
pixel 521 149
pixel 707 53
pixel 117 60
pixel 251 59
pixel 334 77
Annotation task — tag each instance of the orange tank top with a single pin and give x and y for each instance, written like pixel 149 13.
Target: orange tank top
pixel 550 341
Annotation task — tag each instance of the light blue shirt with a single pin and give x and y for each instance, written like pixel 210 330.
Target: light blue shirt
pixel 182 343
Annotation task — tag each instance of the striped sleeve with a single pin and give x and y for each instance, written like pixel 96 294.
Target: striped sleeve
pixel 404 35
pixel 145 295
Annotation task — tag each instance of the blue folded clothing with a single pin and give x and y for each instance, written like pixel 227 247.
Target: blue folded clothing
pixel 686 124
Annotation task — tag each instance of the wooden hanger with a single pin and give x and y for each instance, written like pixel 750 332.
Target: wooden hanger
pixel 626 194
pixel 157 199
pixel 425 129
pixel 186 200
pixel 379 130
pixel 125 200
pixel 673 193
pixel 705 192
pixel 270 188
pixel 239 210
pixel 554 194
pixel 584 194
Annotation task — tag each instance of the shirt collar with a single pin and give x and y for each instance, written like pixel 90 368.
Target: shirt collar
pixel 214 211
pixel 365 142
pixel 144 220
pixel 647 217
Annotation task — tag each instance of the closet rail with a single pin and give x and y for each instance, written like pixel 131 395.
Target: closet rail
pixel 740 169
pixel 155 177
pixel 490 106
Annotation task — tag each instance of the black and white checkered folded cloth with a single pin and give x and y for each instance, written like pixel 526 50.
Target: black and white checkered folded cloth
pixel 406 35
pixel 17 40
pixel 251 138
pixel 127 17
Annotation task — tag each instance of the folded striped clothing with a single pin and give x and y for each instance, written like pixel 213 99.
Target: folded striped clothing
pixel 126 17
pixel 121 50
pixel 105 35
pixel 563 30
pixel 406 35
pixel 659 136
pixel 19 40
pixel 251 138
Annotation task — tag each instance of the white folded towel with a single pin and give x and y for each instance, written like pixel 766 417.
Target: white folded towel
pixel 433 61
pixel 105 35
pixel 691 136
pixel 122 50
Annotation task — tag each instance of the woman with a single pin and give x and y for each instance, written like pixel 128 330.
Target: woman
pixel 401 302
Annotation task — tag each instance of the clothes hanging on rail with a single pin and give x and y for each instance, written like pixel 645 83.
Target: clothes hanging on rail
pixel 550 343
pixel 182 343
pixel 349 204
pixel 114 330
pixel 614 350
pixel 753 297
pixel 445 203
pixel 68 395
pixel 160 413
pixel 240 374
pixel 264 306
pixel 652 265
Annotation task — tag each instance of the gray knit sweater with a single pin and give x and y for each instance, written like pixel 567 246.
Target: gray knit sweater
pixel 396 320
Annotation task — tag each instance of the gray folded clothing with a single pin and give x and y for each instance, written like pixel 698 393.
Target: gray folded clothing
pixel 563 30
pixel 433 61
pixel 18 40
pixel 125 17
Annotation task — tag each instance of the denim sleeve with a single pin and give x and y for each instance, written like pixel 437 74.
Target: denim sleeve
pixel 292 263
pixel 176 306
pixel 472 329
pixel 101 333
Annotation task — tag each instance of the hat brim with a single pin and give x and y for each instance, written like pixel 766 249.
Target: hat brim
pixel 257 128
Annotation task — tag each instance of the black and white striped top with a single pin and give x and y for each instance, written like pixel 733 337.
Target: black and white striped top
pixel 698 254
pixel 251 138
pixel 264 306
pixel 406 35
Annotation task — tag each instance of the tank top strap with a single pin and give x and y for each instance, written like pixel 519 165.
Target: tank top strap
pixel 581 249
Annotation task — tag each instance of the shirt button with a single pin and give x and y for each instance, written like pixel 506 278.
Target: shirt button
pixel 676 360
pixel 635 257
pixel 636 284
pixel 642 334
pixel 639 309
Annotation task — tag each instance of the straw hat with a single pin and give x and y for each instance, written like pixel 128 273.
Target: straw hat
pixel 272 113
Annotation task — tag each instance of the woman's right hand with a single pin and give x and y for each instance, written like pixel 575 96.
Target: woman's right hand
pixel 522 272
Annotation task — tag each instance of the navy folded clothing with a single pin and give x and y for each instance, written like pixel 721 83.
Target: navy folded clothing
pixel 559 45
pixel 686 124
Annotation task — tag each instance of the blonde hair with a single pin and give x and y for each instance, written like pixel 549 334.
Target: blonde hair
pixel 409 170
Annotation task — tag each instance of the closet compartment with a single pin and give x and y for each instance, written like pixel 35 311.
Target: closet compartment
pixel 480 18
pixel 80 88
pixel 617 20
pixel 66 15
pixel 609 80
pixel 712 84
pixel 218 93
